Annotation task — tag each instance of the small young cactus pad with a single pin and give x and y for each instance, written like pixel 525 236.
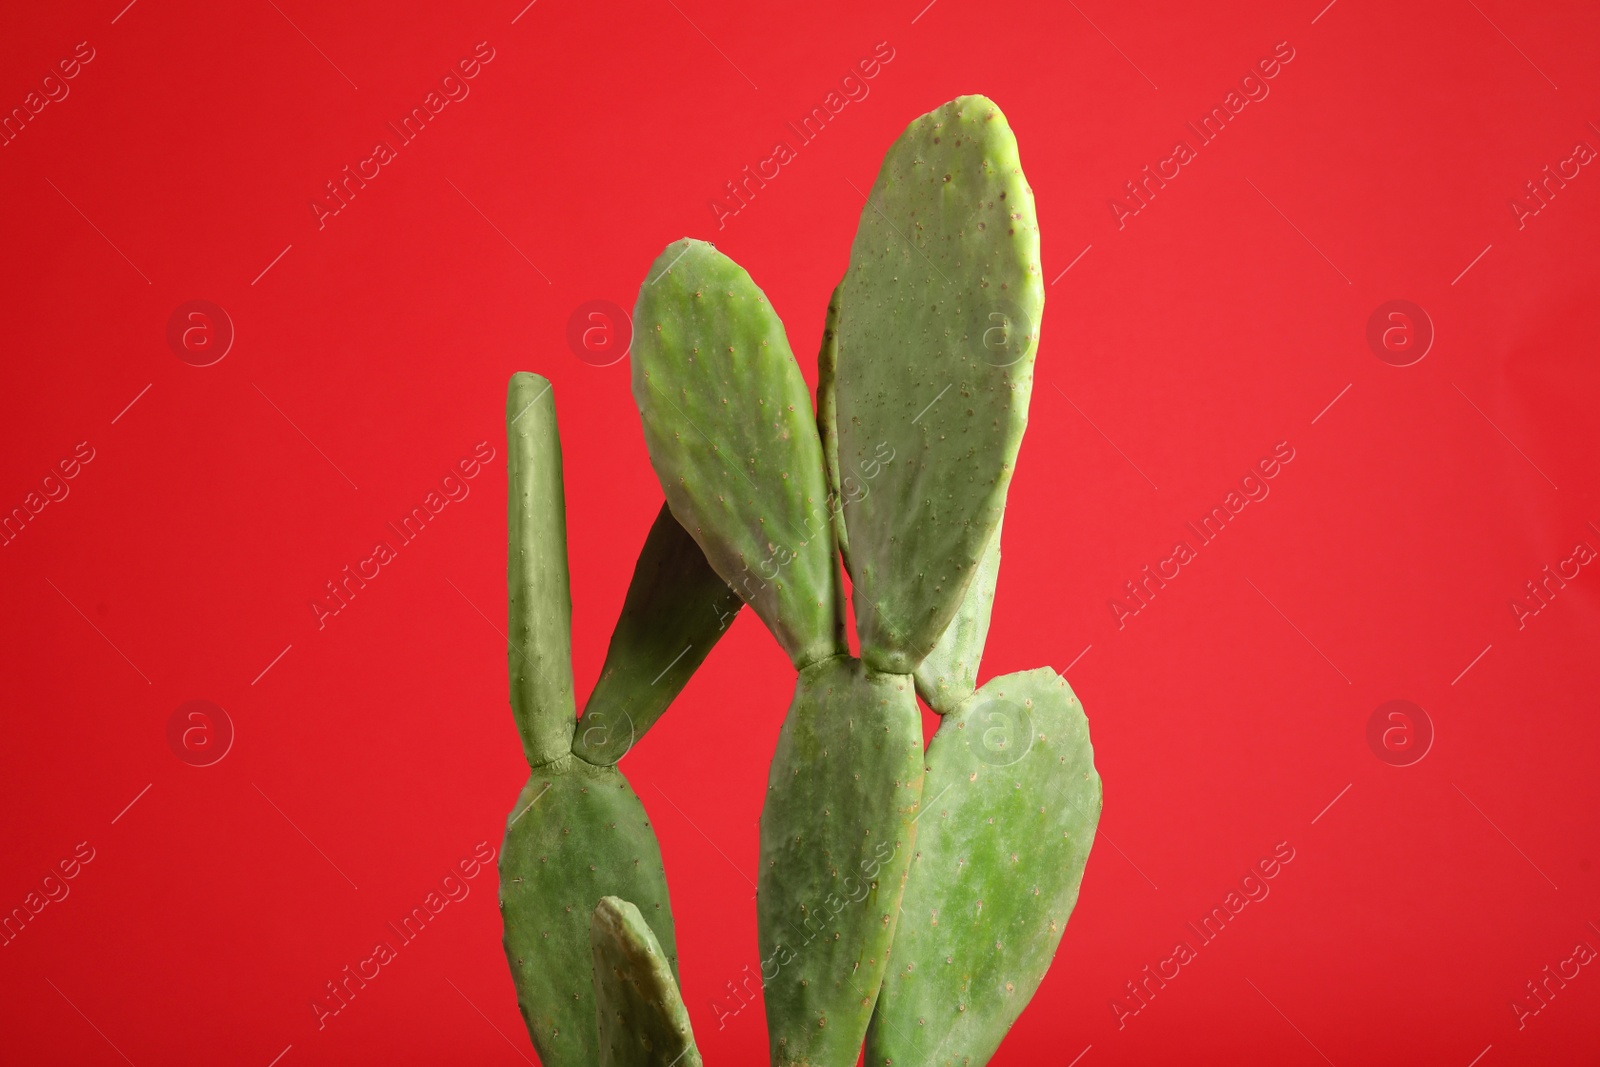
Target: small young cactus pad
pixel 999 858
pixel 938 325
pixel 676 610
pixel 836 834
pixel 728 422
pixel 639 1012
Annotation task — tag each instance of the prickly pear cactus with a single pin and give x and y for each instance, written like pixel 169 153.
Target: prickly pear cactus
pixel 918 933
pixel 639 1013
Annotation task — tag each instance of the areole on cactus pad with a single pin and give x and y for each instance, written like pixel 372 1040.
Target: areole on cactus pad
pixel 917 934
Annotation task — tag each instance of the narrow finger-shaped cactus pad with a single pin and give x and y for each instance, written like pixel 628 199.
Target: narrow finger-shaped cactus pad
pixel 999 857
pixel 949 674
pixel 539 591
pixel 828 424
pixel 676 609
pixel 728 421
pixel 577 833
pixel 836 836
pixel 937 334
pixel 638 1010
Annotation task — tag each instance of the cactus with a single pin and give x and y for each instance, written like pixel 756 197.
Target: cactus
pixel 639 1015
pixel 917 934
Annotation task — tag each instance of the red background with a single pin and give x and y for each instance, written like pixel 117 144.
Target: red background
pixel 1222 319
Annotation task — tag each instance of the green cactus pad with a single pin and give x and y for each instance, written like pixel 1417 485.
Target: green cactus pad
pixel 676 610
pixel 728 422
pixel 577 833
pixel 937 334
pixel 638 1010
pixel 949 674
pixel 1012 804
pixel 827 422
pixel 836 834
pixel 539 591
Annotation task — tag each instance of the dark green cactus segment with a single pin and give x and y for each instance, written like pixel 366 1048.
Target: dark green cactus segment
pixel 1013 801
pixel 638 1010
pixel 539 591
pixel 676 610
pixel 577 833
pixel 937 334
pixel 828 424
pixel 949 674
pixel 837 829
pixel 728 422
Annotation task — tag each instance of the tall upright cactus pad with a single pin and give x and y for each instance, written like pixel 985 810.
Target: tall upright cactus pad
pixel 728 422
pixel 639 1013
pixel 949 674
pixel 999 858
pixel 539 590
pixel 577 832
pixel 836 833
pixel 676 610
pixel 937 332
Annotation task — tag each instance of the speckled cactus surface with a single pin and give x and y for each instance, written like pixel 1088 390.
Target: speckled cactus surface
pixel 909 899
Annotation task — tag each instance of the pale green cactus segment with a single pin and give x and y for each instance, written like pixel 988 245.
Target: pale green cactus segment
pixel 676 610
pixel 937 334
pixel 999 857
pixel 827 420
pixel 949 674
pixel 729 425
pixel 576 834
pixel 837 829
pixel 538 588
pixel 639 1012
